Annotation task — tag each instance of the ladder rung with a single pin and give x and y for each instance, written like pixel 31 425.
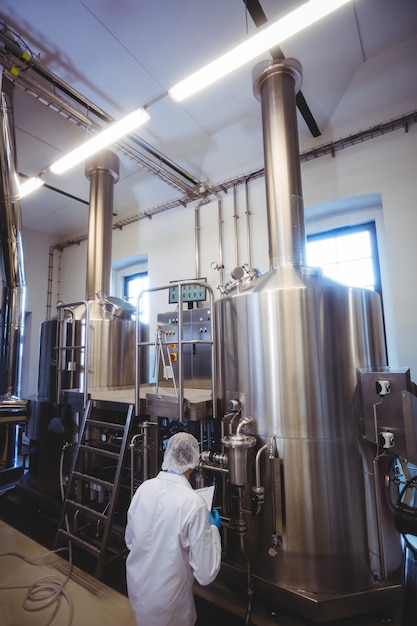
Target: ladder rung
pixel 93 422
pixel 90 517
pixel 86 509
pixel 80 542
pixel 94 479
pixel 101 451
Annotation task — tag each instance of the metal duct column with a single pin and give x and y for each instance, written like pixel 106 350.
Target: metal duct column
pixel 13 275
pixel 276 85
pixel 103 172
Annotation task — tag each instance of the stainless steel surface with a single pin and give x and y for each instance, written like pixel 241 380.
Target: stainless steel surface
pixel 47 367
pixel 96 338
pixel 238 457
pixel 102 170
pixel 107 360
pixel 276 84
pixel 12 315
pixel 196 360
pixel 290 349
pixel 170 336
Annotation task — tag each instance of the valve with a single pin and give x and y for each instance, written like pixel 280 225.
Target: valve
pixel 276 544
pixel 383 387
pixel 387 439
pixel 258 498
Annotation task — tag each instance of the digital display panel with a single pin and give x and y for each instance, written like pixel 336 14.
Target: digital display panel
pixel 190 293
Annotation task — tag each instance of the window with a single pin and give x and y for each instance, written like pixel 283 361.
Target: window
pixel 133 285
pixel 348 255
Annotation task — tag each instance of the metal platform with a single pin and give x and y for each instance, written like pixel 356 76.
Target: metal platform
pixel 162 401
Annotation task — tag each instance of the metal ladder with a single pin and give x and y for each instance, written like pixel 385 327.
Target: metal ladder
pixel 95 482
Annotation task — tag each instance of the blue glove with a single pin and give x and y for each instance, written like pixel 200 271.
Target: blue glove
pixel 214 518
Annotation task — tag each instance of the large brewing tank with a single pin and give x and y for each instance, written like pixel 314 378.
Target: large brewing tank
pixel 105 329
pixel 108 320
pixel 91 344
pixel 290 348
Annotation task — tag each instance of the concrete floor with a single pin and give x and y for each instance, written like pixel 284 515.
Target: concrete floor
pixel 86 601
pixel 90 602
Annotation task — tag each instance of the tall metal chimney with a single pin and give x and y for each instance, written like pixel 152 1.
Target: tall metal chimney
pixel 12 266
pixel 103 172
pixel 276 85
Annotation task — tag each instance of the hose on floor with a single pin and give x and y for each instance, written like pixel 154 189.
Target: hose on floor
pixel 46 590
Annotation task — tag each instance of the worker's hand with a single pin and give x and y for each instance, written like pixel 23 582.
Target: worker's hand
pixel 214 518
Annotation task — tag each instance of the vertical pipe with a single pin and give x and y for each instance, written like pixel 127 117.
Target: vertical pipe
pixel 197 239
pixel 181 356
pixel 50 278
pixel 236 217
pixel 12 314
pixel 248 224
pixel 221 261
pixel 276 85
pixel 197 235
pixel 103 172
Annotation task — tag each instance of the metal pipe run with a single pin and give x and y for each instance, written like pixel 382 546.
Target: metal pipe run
pixel 13 274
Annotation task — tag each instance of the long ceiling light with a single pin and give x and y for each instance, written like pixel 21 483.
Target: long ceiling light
pixel 30 185
pixel 102 140
pixel 306 15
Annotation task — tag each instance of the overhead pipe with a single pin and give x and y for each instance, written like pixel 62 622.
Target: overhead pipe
pixel 12 262
pixel 12 54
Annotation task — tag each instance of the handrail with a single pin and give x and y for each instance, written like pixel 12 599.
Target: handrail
pixel 62 349
pixel 181 343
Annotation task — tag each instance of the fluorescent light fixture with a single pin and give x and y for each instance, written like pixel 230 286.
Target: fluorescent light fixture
pixel 100 141
pixel 30 185
pixel 263 41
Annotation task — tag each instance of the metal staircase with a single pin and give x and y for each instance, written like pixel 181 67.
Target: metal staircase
pixel 98 483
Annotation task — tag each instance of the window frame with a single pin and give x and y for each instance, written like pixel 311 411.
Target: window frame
pixel 369 227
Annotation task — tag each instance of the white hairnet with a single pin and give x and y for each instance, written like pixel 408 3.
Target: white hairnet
pixel 182 453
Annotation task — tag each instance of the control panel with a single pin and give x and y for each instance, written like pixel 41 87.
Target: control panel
pixel 196 357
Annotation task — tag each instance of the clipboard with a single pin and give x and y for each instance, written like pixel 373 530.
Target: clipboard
pixel 207 493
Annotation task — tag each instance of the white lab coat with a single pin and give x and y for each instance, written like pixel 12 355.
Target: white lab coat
pixel 171 541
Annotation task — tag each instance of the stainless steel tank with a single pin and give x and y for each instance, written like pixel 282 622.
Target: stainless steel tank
pixel 106 358
pixel 103 357
pixel 290 348
pixel 91 344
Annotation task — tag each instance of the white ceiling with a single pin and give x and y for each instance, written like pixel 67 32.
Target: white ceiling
pixel 121 55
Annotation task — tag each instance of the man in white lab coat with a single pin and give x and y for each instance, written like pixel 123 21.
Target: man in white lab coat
pixel 172 539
